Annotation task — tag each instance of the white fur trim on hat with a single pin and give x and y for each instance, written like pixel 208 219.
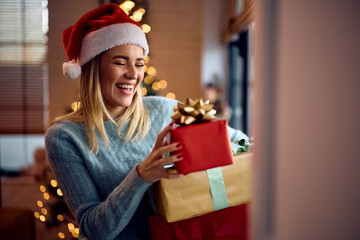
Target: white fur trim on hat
pixel 71 69
pixel 111 36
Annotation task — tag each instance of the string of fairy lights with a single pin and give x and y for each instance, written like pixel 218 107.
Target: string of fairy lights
pixel 44 214
pixel 150 82
pixel 53 193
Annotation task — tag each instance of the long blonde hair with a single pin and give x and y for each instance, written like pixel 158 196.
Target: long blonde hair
pixel 92 110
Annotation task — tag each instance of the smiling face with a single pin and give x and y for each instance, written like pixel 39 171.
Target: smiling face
pixel 121 72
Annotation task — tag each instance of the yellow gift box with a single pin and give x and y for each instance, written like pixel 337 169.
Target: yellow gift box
pixel 190 195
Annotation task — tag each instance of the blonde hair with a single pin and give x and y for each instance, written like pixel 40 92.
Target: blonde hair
pixel 92 110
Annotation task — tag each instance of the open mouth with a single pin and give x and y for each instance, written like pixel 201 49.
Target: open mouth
pixel 125 87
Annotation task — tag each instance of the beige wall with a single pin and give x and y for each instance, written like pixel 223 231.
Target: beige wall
pixel 307 158
pixel 62 14
pixel 175 47
pixel 176 44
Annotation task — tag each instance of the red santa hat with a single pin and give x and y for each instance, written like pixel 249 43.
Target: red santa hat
pixel 103 28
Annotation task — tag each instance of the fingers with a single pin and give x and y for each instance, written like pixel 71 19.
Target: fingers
pixel 161 136
pixel 171 160
pixel 168 149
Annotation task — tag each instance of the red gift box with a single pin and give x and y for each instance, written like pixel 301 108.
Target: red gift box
pixel 204 145
pixel 229 223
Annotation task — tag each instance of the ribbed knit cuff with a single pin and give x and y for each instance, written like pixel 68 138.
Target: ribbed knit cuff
pixel 138 181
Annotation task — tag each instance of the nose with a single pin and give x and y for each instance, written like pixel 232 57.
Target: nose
pixel 131 72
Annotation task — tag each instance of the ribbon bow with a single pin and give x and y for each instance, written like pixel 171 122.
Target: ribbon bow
pixel 193 112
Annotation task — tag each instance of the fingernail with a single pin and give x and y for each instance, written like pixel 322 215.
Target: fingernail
pixel 179 156
pixel 178 145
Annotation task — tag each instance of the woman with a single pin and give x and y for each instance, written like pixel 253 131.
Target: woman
pixel 107 154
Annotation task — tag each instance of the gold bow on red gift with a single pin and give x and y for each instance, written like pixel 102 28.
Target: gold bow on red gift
pixel 193 111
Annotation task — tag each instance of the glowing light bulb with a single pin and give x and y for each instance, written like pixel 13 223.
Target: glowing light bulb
pixel 42 218
pixel 127 5
pixel 71 227
pixel 163 84
pixel 143 91
pixel 53 183
pixel 40 203
pixel 171 95
pixel 42 188
pixel 137 16
pixel 151 71
pixel 147 58
pixel 148 80
pixel 36 214
pixel 60 217
pixel 59 192
pixel 75 106
pixel 156 86
pixel 44 211
pixel 75 235
pixel 146 28
pixel 46 196
pixel 61 235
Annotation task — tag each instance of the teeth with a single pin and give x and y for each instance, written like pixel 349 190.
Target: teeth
pixel 129 87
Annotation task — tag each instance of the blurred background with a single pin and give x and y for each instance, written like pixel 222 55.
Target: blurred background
pixel 284 72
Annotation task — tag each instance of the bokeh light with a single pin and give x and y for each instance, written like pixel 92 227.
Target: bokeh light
pixel 155 86
pixel 61 235
pixel 60 217
pixel 127 6
pixel 40 203
pixel 46 196
pixel 151 71
pixel 171 95
pixel 42 188
pixel 146 28
pixel 44 211
pixel 163 84
pixel 59 192
pixel 148 80
pixel 53 183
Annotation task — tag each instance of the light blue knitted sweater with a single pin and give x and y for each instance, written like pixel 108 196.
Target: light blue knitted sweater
pixel 103 190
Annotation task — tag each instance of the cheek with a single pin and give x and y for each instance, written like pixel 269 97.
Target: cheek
pixel 141 76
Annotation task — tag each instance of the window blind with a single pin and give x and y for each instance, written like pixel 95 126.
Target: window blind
pixel 23 68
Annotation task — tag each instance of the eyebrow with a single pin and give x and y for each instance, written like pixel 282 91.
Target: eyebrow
pixel 127 58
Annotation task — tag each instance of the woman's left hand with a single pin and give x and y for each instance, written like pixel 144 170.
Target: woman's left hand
pixel 152 168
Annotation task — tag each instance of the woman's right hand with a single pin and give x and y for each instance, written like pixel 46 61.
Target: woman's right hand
pixel 152 168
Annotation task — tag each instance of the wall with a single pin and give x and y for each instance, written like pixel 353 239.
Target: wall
pixel 175 44
pixel 62 14
pixel 307 155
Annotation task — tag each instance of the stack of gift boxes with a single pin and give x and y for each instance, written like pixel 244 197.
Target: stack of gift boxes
pixel 211 199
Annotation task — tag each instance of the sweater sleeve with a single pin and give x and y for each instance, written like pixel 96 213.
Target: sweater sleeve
pixel 98 219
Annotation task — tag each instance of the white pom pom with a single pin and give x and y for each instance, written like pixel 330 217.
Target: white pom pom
pixel 71 69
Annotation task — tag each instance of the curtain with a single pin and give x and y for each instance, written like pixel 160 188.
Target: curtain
pixel 238 23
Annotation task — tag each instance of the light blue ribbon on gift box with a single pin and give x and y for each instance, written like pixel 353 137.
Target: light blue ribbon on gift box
pixel 217 188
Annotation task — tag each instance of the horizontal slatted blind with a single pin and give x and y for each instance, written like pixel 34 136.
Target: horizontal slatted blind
pixel 23 69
